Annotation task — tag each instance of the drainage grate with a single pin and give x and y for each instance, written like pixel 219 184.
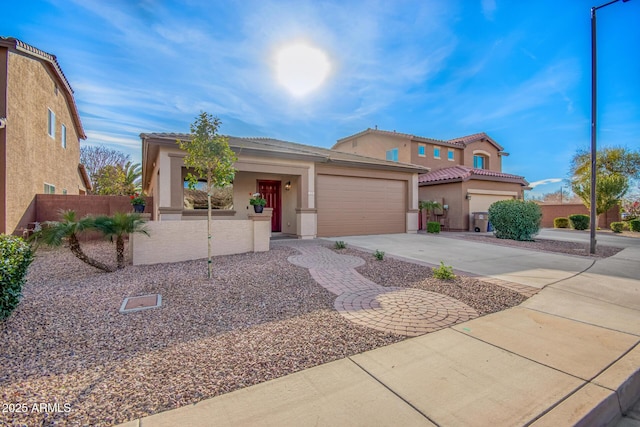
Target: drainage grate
pixel 131 304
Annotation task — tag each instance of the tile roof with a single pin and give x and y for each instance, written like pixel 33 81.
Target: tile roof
pixel 52 62
pixel 463 173
pixel 271 146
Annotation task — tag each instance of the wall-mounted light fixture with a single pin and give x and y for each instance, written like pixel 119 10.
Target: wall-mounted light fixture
pixel 468 197
pixel 287 186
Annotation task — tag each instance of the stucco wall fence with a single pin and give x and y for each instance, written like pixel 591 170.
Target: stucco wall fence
pixel 175 241
pixel 549 212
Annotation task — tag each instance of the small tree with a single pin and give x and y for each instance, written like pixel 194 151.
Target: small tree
pixel 119 225
pixel 54 233
pixel 210 158
pixel 609 190
pixel 428 206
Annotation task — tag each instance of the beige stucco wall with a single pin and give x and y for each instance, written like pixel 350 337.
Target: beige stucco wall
pixel 33 157
pixel 486 148
pixel 430 161
pixel 376 146
pixel 175 241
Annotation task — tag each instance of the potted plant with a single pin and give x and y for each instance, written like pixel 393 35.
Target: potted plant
pixel 138 201
pixel 258 202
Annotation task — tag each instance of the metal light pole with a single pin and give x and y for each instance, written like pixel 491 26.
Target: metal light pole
pixel 593 216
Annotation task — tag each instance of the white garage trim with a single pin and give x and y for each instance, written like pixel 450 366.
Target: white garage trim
pixel 494 192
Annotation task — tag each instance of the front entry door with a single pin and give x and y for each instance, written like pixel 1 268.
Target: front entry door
pixel 270 190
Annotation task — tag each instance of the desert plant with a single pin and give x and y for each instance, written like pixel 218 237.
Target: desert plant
pixel 444 272
pixel 433 227
pixel 428 206
pixel 634 225
pixel 515 219
pixel 618 226
pixel 53 233
pixel 117 226
pixel 340 244
pixel 561 222
pixel 16 257
pixel 379 255
pixel 579 221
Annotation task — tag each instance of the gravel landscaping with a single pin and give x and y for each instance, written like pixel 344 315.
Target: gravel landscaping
pixel 260 318
pixel 547 245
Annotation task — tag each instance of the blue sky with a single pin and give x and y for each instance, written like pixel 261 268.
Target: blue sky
pixel 519 71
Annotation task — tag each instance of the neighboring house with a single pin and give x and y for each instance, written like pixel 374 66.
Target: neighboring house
pixel 465 173
pixel 40 131
pixel 313 191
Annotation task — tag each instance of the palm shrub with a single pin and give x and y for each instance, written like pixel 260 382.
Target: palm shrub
pixel 117 226
pixel 515 219
pixel 579 221
pixel 561 222
pixel 54 233
pixel 16 258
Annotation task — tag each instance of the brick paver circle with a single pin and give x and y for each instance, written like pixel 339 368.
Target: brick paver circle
pixel 404 311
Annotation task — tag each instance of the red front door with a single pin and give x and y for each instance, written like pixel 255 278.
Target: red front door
pixel 270 190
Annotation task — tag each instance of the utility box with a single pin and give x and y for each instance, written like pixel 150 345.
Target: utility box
pixel 480 221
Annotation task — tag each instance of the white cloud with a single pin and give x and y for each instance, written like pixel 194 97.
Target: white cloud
pixel 545 182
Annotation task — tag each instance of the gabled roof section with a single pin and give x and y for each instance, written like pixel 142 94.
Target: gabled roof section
pixel 469 139
pixel 463 173
pixel 275 148
pixel 84 176
pixel 50 61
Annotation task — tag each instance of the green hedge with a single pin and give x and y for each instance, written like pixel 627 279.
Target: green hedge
pixel 14 262
pixel 634 225
pixel 433 227
pixel 561 222
pixel 617 227
pixel 579 221
pixel 515 219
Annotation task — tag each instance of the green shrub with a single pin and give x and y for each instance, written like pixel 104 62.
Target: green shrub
pixel 515 219
pixel 14 262
pixel 579 221
pixel 433 227
pixel 561 222
pixel 340 244
pixel 617 227
pixel 379 255
pixel 634 225
pixel 444 272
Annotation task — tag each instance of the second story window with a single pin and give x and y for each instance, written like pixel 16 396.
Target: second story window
pixel 49 188
pixel 392 154
pixel 422 150
pixel 63 136
pixel 436 152
pixel 51 123
pixel 451 155
pixel 479 162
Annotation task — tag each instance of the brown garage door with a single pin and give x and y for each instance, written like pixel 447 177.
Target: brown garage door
pixel 351 205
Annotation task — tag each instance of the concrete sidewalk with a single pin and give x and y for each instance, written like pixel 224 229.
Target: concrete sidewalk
pixel 569 355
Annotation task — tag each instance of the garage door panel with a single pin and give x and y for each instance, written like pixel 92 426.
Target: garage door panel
pixel 354 205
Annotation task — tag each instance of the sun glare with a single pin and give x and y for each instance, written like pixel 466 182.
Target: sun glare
pixel 301 68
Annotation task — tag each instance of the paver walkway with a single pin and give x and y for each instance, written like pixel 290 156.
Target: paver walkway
pixel 403 311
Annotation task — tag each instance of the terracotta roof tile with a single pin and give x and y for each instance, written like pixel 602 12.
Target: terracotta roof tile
pixel 463 173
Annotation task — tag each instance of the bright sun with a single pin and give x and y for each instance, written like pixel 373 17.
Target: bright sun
pixel 301 68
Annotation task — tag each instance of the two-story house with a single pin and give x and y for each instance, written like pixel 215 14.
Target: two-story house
pixel 465 173
pixel 40 129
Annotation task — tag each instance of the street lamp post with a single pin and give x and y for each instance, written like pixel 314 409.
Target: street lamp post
pixel 592 213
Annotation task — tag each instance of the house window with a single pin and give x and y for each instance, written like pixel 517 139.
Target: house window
pixel 451 155
pixel 49 189
pixel 392 155
pixel 478 162
pixel 196 198
pixel 63 136
pixel 422 150
pixel 436 152
pixel 51 124
pixel 64 191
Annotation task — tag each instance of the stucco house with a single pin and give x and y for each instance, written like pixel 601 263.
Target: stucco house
pixel 312 191
pixel 465 173
pixel 40 129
